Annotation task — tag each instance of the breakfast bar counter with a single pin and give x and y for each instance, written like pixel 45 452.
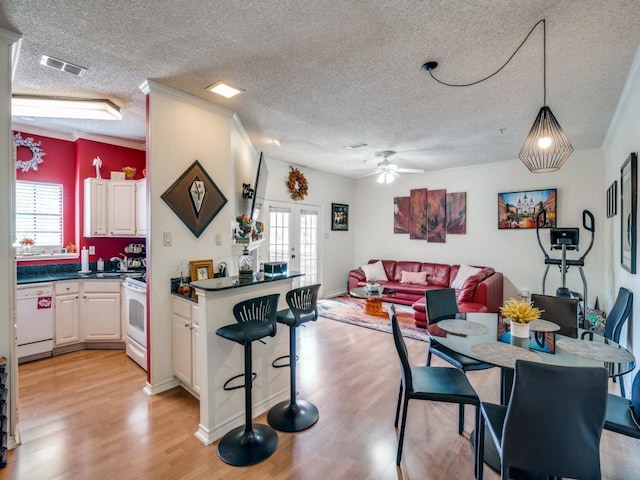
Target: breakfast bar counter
pixel 218 359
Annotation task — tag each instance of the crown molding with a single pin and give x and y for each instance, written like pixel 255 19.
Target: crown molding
pixel 43 132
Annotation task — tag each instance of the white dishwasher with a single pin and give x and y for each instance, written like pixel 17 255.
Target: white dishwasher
pixel 34 321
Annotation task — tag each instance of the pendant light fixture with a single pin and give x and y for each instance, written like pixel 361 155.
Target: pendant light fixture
pixel 547 146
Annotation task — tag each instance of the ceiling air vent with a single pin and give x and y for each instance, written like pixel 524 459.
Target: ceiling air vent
pixel 62 65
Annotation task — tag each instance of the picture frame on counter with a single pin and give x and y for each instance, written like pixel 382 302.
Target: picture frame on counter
pixel 201 269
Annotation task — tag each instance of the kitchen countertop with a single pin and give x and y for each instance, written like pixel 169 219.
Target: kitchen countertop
pixel 58 276
pixel 226 283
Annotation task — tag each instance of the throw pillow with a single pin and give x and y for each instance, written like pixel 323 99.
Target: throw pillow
pixel 419 278
pixel 374 271
pixel 464 272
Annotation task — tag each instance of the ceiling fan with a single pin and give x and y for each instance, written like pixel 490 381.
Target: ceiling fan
pixel 387 171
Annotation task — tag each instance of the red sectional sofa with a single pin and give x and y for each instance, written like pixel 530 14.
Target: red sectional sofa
pixel 481 292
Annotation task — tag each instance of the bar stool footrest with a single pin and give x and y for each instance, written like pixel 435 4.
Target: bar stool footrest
pixel 276 363
pixel 226 386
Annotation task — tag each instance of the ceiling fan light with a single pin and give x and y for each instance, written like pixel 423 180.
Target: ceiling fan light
pixel 386 177
pixel 547 146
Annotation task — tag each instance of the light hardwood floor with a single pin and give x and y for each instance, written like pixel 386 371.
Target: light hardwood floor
pixel 83 415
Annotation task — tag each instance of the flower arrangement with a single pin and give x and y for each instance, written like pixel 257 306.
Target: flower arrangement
pixel 520 311
pixel 26 241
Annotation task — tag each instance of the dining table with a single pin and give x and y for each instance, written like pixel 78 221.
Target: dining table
pixel 485 337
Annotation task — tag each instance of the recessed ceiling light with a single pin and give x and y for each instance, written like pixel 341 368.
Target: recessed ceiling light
pixel 353 147
pixel 62 65
pixel 51 107
pixel 224 89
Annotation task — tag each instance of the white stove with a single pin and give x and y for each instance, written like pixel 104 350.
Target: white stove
pixel 135 293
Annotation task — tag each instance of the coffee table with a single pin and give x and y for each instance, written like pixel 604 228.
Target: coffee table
pixel 373 300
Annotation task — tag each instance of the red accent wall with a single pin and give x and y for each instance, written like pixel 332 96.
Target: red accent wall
pixel 69 163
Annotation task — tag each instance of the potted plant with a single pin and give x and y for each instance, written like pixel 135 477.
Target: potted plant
pixel 26 244
pixel 520 314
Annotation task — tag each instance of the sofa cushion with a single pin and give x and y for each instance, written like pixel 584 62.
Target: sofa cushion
pixel 419 278
pixel 438 273
pixel 374 272
pixel 464 272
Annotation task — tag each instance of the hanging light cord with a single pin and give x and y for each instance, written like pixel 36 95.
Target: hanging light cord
pixel 544 30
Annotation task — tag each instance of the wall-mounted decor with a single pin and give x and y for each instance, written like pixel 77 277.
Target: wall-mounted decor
pixel 437 216
pixel 401 215
pixel 418 214
pixel 612 200
pixel 195 198
pixel 518 210
pixel 457 213
pixel 297 184
pixel 339 216
pixel 201 270
pixel 36 152
pixel 628 212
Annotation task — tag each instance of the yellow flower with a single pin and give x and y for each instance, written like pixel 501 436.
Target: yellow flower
pixel 520 311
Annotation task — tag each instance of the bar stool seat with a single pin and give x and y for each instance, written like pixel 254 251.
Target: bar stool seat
pixel 296 414
pixel 251 443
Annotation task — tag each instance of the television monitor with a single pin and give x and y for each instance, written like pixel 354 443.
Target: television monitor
pixel 259 189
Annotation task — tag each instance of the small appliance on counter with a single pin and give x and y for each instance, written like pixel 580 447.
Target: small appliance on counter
pixel 275 269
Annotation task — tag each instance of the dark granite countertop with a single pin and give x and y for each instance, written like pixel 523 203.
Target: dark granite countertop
pixel 58 276
pixel 226 283
pixel 191 296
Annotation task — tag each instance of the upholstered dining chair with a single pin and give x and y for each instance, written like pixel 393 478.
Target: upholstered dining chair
pixel 552 424
pixel 623 416
pixel 441 304
pixel 562 311
pixel 438 384
pixel 615 321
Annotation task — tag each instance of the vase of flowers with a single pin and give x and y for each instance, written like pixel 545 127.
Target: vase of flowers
pixel 520 314
pixel 26 244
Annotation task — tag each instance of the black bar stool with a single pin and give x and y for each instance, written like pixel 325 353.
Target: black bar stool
pixel 249 444
pixel 295 415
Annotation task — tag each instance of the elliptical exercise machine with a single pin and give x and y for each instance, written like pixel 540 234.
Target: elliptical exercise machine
pixel 567 239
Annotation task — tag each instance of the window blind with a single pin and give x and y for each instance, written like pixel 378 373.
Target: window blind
pixel 39 213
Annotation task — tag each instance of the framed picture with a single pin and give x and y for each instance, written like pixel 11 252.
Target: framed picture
pixel 628 212
pixel 518 210
pixel 195 198
pixel 612 200
pixel 457 213
pixel 418 214
pixel 436 216
pixel 201 270
pixel 401 215
pixel 339 216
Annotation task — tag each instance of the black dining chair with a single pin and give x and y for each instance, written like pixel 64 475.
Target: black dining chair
pixel 623 416
pixel 563 311
pixel 296 414
pixel 438 384
pixel 441 304
pixel 615 321
pixel 251 443
pixel 552 424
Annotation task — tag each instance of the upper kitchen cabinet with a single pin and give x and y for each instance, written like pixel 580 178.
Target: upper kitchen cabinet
pixel 110 208
pixel 141 208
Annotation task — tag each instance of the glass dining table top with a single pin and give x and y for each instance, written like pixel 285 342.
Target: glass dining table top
pixel 479 340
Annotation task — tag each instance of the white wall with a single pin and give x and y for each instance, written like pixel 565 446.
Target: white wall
pixel 515 253
pixel 183 129
pixel 337 246
pixel 622 139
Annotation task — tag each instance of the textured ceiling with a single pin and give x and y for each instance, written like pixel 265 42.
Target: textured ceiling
pixel 321 75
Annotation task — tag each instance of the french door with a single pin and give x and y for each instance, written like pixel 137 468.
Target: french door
pixel 294 234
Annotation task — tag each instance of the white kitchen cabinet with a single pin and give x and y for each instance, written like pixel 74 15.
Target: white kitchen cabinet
pixel 110 208
pixel 67 313
pixel 121 208
pixel 101 310
pixel 141 208
pixel 95 207
pixel 185 338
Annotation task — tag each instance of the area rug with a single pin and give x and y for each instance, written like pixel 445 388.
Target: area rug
pixel 350 310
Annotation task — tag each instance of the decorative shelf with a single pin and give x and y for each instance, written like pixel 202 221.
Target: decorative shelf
pixel 237 248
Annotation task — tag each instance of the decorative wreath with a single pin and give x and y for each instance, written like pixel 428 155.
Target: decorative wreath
pixel 36 152
pixel 297 184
